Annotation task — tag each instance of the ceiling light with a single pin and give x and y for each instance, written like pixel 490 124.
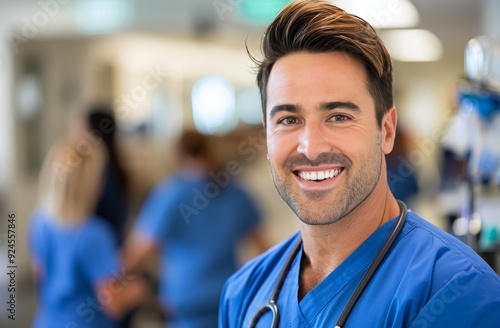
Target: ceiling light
pixel 102 16
pixel 415 45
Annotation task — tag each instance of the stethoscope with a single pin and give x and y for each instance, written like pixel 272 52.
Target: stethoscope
pixel 271 304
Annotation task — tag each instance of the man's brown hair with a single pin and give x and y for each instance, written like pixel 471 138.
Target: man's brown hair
pixel 317 26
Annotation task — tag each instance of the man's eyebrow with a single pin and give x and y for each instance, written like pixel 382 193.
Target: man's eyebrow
pixel 339 104
pixel 284 108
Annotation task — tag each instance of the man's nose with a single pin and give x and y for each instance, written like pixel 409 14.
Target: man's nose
pixel 314 140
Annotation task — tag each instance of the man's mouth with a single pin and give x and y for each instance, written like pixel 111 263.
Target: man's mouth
pixel 319 175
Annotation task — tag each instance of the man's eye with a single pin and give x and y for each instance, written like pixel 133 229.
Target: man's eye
pixel 339 118
pixel 288 120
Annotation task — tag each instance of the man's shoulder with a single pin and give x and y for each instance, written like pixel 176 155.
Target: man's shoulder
pixel 454 277
pixel 445 251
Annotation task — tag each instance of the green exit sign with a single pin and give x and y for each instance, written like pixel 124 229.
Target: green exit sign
pixel 260 11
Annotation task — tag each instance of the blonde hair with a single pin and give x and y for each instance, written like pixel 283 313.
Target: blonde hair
pixel 70 182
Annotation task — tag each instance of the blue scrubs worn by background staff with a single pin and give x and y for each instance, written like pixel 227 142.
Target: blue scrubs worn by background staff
pixel 196 257
pixel 75 259
pixel 195 225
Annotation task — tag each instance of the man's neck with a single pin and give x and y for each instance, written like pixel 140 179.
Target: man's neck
pixel 325 247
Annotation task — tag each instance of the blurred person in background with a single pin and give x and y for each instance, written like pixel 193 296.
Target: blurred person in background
pixel 113 205
pixel 96 126
pixel 78 274
pixel 195 223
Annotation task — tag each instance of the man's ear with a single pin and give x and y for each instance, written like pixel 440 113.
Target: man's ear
pixel 389 124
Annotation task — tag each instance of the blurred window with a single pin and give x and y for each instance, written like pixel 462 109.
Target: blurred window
pixel 213 101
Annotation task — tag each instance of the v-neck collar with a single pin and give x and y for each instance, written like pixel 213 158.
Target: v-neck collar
pixel 353 266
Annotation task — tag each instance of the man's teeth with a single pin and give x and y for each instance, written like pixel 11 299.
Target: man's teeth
pixel 319 175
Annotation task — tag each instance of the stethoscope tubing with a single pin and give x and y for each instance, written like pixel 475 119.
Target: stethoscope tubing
pixel 272 306
pixel 373 266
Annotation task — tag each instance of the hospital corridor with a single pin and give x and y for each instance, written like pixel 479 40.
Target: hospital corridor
pixel 211 163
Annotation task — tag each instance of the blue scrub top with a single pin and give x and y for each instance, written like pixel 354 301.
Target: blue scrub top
pixel 198 225
pixel 428 279
pixel 72 261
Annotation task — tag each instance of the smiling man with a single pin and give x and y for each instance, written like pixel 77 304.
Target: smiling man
pixel 360 258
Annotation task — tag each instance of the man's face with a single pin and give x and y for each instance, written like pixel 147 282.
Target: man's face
pixel 324 144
